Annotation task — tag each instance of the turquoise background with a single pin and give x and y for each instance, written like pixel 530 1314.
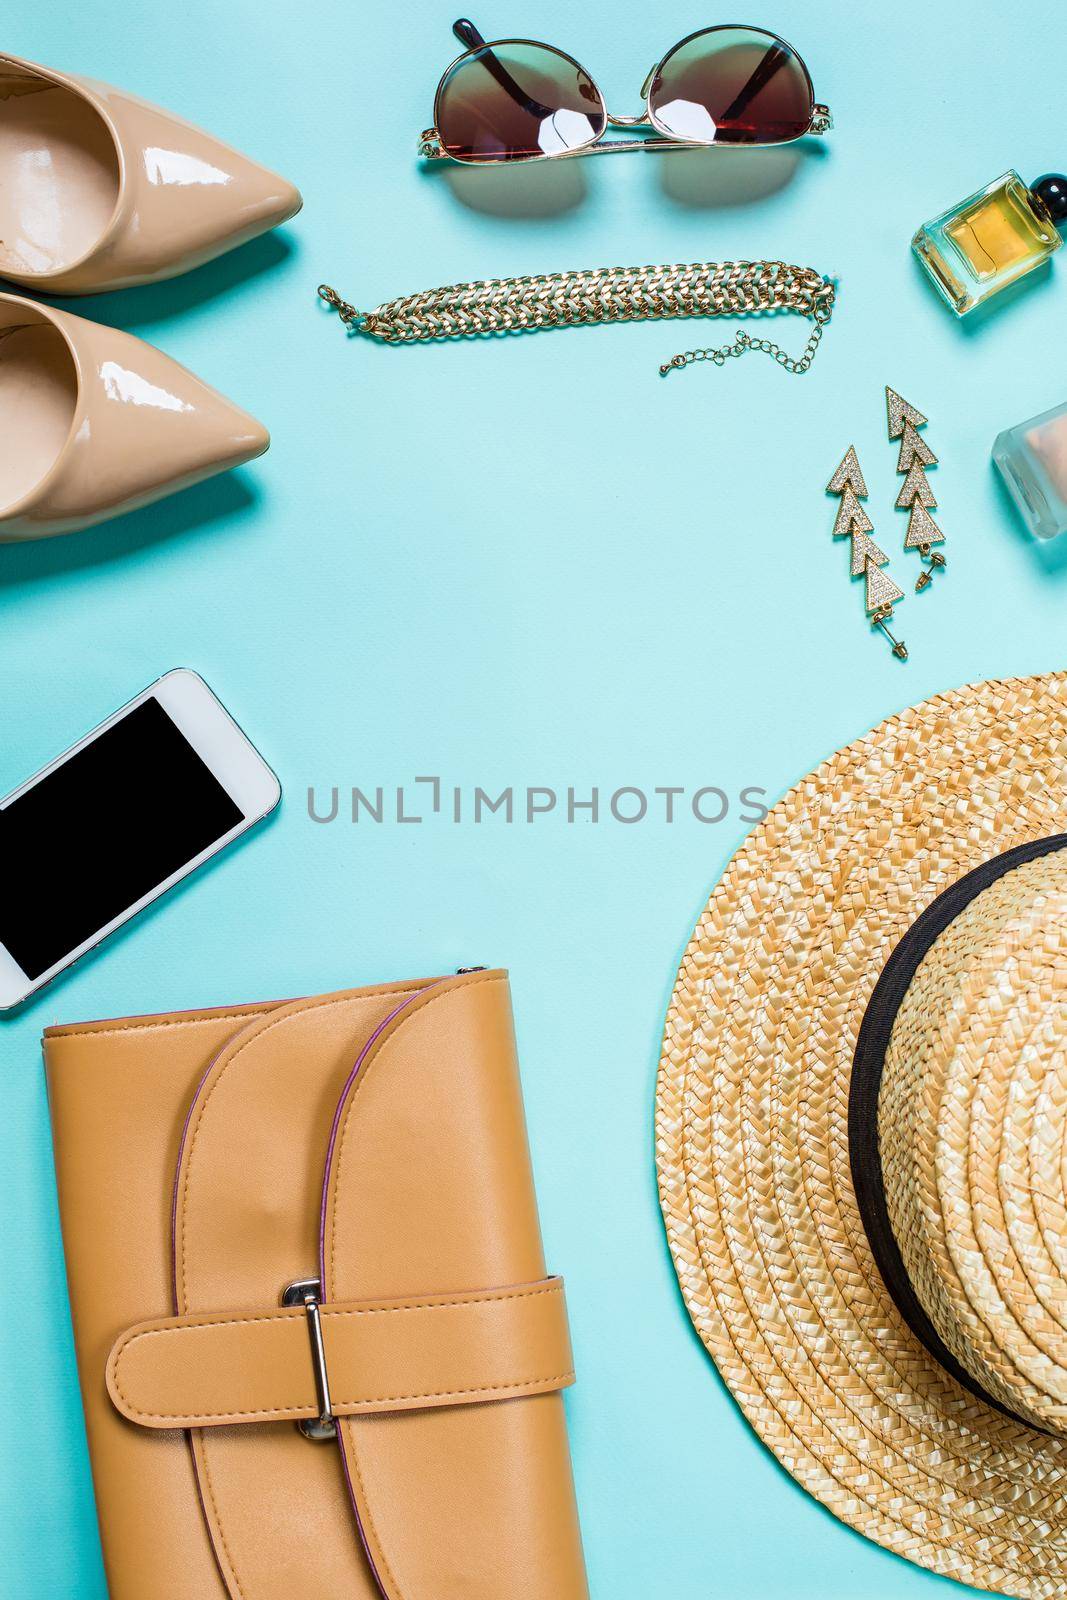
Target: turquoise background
pixel 530 561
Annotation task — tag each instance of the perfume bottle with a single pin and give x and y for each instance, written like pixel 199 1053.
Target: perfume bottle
pixel 993 239
pixel 1032 460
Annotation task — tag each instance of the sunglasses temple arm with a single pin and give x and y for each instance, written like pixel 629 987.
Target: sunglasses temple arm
pixel 468 34
pixel 771 63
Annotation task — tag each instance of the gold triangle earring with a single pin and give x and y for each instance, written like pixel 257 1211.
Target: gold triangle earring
pixel 916 496
pixel 867 559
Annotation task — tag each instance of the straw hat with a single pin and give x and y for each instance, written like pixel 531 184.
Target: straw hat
pixel 862 1133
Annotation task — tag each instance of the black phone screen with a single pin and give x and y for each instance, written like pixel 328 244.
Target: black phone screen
pixel 103 830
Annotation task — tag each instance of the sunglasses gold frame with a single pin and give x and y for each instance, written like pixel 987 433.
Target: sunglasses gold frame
pixel 432 147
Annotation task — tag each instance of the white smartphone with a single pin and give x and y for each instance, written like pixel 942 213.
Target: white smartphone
pixel 116 821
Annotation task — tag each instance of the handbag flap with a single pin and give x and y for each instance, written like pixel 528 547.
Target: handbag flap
pixel 418 1124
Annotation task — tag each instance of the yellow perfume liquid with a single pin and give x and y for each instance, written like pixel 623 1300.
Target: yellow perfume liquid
pixel 999 234
pixel 993 239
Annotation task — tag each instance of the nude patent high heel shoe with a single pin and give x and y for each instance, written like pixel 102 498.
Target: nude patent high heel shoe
pixel 100 190
pixel 94 422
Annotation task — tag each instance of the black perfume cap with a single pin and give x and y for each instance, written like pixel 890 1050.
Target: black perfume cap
pixel 1051 190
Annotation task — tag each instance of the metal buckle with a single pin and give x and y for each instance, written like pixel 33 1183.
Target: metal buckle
pixel 307 1292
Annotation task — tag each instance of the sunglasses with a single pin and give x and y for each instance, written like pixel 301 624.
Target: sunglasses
pixel 518 100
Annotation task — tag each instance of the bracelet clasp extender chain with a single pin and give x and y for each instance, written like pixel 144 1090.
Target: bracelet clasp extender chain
pixel 609 294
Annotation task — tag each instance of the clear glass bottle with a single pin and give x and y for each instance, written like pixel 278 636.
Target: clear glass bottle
pixel 1032 460
pixel 993 239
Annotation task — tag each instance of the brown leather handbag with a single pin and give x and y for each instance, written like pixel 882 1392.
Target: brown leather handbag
pixel 349 1378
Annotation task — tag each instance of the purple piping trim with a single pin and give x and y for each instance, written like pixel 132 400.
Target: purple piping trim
pixel 371 1563
pixel 335 1129
pixel 331 1151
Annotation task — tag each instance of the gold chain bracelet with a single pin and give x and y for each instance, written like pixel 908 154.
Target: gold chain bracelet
pixel 609 294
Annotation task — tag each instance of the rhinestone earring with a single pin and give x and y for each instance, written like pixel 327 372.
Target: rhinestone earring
pixel 867 558
pixel 916 497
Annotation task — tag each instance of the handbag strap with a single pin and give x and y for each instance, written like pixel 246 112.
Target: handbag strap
pixel 311 1361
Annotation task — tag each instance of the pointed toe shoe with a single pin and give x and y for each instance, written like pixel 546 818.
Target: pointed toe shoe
pixel 100 190
pixel 95 422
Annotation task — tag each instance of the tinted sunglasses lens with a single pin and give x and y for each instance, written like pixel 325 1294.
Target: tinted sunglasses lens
pixel 732 86
pixel 511 101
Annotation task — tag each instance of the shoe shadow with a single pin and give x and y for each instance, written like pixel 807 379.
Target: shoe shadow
pixel 169 301
pixel 204 508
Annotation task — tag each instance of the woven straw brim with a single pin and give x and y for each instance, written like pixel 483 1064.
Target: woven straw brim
pixel 972 1119
pixel 752 1135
